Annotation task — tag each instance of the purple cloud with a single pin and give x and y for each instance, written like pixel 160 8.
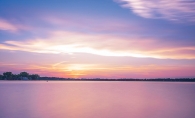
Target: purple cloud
pixel 176 10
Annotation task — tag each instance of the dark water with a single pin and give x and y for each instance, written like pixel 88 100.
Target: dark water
pixel 96 99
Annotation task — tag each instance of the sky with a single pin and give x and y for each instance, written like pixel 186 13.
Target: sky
pixel 98 38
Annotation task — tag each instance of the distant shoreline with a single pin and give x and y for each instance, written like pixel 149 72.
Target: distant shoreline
pixel 25 76
pixel 193 80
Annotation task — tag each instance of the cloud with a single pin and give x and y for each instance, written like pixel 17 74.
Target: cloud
pixel 92 24
pixel 100 44
pixel 8 26
pixel 4 25
pixel 179 10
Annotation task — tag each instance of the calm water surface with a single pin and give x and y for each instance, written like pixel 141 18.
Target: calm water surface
pixel 19 99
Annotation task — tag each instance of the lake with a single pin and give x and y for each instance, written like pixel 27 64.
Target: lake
pixel 96 99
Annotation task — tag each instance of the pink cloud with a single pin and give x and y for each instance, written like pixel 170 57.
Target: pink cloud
pixel 92 24
pixel 4 25
pixel 8 26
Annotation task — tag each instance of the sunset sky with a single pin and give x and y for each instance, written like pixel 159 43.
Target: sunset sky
pixel 98 38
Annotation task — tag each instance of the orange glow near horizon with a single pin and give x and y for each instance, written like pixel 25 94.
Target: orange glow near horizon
pixel 66 70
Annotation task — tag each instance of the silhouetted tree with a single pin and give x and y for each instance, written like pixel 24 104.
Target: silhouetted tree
pixel 34 76
pixel 1 77
pixel 7 75
pixel 15 76
pixel 24 74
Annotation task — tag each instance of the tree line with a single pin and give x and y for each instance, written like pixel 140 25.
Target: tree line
pixel 27 76
pixel 20 76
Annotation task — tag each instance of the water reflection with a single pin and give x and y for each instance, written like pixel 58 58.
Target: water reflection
pixel 96 100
